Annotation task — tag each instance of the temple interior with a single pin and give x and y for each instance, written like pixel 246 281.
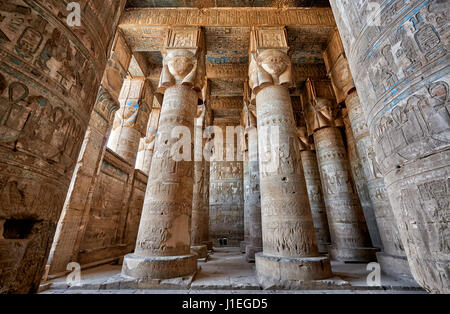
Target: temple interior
pixel 224 145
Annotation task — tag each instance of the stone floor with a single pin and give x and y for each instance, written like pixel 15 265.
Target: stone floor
pixel 226 271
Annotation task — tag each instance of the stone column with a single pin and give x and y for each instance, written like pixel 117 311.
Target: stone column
pixel 342 83
pixel 206 241
pixel 350 240
pixel 199 219
pixel 360 183
pixel 246 189
pixel 314 187
pixel 393 257
pixel 252 189
pixel 290 254
pixel 246 181
pixel 365 168
pixel 49 79
pixel 76 207
pixel 405 80
pixel 164 237
pixel 207 172
pixel 245 175
pixel 147 144
pixel 131 120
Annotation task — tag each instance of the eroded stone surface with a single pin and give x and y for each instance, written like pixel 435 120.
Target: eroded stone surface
pixel 316 201
pixel 131 120
pixel 165 227
pixel 200 214
pixel 252 195
pixel 49 78
pixel 405 101
pixel 226 202
pixel 287 224
pixel 397 134
pixel 350 240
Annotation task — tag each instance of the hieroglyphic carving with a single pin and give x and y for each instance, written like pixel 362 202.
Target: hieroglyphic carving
pixel 395 64
pixel 227 70
pixel 226 103
pixel 418 125
pixel 165 227
pixel 49 76
pixel 361 183
pixel 228 17
pixel 226 198
pixel 287 223
pixel 393 248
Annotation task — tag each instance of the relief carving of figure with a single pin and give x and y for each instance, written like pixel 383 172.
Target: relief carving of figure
pixel 180 67
pixel 270 67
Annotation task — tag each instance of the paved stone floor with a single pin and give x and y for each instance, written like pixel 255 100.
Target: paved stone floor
pixel 226 271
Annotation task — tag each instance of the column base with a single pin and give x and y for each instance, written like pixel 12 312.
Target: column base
pixel 200 250
pixel 288 273
pixel 159 267
pixel 353 255
pixel 242 246
pixel 209 245
pixel 250 252
pixel 396 266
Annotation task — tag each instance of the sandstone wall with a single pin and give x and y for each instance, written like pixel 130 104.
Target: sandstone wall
pixel 226 202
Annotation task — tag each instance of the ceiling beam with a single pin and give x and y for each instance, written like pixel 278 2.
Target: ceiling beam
pixel 227 17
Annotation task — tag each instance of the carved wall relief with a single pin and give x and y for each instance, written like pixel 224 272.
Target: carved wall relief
pixel 398 62
pixel 49 76
pixel 226 198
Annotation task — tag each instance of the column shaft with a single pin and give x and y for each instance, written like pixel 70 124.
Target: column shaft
pixel 253 200
pixel 199 221
pixel 49 79
pixel 405 80
pixel 316 201
pixel 147 144
pixel 164 237
pixel 360 182
pixel 287 226
pixel 246 181
pixel 349 234
pixel 393 258
pixel 206 240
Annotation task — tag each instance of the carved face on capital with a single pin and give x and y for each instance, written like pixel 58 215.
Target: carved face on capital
pixel 274 62
pixel 341 75
pixel 180 65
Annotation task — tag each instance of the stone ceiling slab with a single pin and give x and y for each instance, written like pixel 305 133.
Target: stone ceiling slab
pixel 227 44
pixel 227 87
pixel 307 43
